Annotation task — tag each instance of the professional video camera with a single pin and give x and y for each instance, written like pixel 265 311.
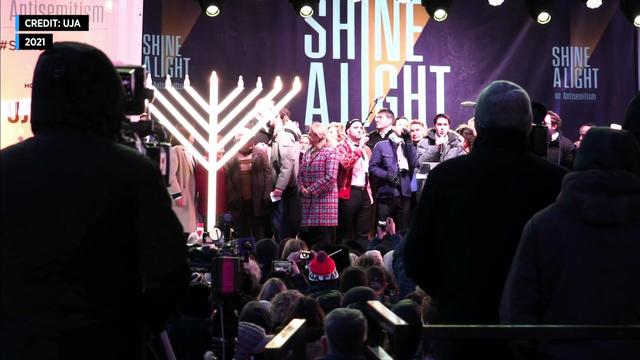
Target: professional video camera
pixel 143 135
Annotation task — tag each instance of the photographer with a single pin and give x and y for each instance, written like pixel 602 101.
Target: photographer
pixel 391 167
pixel 92 258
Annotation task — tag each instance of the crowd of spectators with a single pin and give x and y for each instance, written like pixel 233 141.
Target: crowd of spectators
pixel 444 227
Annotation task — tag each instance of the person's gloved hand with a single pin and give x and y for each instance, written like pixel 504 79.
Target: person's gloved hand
pixel 406 136
pixel 394 179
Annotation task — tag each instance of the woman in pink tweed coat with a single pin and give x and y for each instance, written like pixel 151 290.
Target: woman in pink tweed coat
pixel 318 186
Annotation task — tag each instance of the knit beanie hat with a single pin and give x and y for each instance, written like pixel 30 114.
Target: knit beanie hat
pixel 251 340
pixel 322 268
pixel 351 122
pixel 504 105
pixel 605 148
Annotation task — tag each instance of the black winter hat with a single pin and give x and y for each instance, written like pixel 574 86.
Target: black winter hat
pixel 76 86
pixel 605 148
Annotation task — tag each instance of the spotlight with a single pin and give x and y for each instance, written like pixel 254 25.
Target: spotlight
pixel 437 9
pixel 211 7
pixel 495 2
pixel 540 10
pixel 544 17
pixel 631 9
pixel 594 4
pixel 305 8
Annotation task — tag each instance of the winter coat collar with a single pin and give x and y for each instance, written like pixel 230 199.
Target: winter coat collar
pixel 452 136
pixel 601 197
pixel 500 138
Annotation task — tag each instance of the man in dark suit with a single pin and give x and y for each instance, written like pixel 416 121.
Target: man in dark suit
pixel 468 221
pixel 248 183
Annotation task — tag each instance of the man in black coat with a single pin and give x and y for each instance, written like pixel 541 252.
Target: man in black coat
pixel 560 150
pixel 468 221
pixel 91 256
pixel 577 259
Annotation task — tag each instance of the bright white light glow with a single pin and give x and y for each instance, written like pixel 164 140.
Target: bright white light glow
pixel 495 2
pixel 213 10
pixel 181 119
pixel 176 95
pixel 213 108
pixel 230 135
pixel 232 95
pixel 439 15
pixel 636 21
pixel 155 112
pixel 544 17
pixel 108 5
pixel 187 86
pixel 213 138
pixel 306 11
pixel 252 95
pixel 254 130
pixel 594 4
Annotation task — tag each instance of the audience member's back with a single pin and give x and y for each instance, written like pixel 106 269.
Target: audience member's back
pixel 468 221
pixel 578 259
pixel 632 117
pixel 345 333
pixel 86 224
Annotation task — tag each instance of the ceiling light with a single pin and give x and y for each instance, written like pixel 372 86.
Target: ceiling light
pixel 543 17
pixel 305 8
pixel 211 7
pixel 594 4
pixel 540 10
pixel 631 10
pixel 438 9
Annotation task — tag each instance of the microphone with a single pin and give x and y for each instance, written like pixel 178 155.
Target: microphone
pixel 373 105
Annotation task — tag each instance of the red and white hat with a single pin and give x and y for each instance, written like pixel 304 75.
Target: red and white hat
pixel 322 268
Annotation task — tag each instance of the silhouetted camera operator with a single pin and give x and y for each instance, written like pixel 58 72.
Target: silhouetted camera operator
pixel 92 258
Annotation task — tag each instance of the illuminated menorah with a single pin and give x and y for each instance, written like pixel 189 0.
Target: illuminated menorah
pixel 214 108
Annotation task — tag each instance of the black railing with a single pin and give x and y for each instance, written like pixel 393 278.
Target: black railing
pixel 531 332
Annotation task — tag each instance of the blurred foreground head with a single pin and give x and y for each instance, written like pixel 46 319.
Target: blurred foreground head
pixel 75 86
pixel 503 105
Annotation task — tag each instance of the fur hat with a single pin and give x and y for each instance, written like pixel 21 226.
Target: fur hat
pixel 322 268
pixel 503 104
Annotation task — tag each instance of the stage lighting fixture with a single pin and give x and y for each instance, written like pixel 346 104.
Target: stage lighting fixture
pixel 631 9
pixel 305 8
pixel 438 9
pixel 495 2
pixel 594 4
pixel 211 7
pixel 543 17
pixel 540 10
